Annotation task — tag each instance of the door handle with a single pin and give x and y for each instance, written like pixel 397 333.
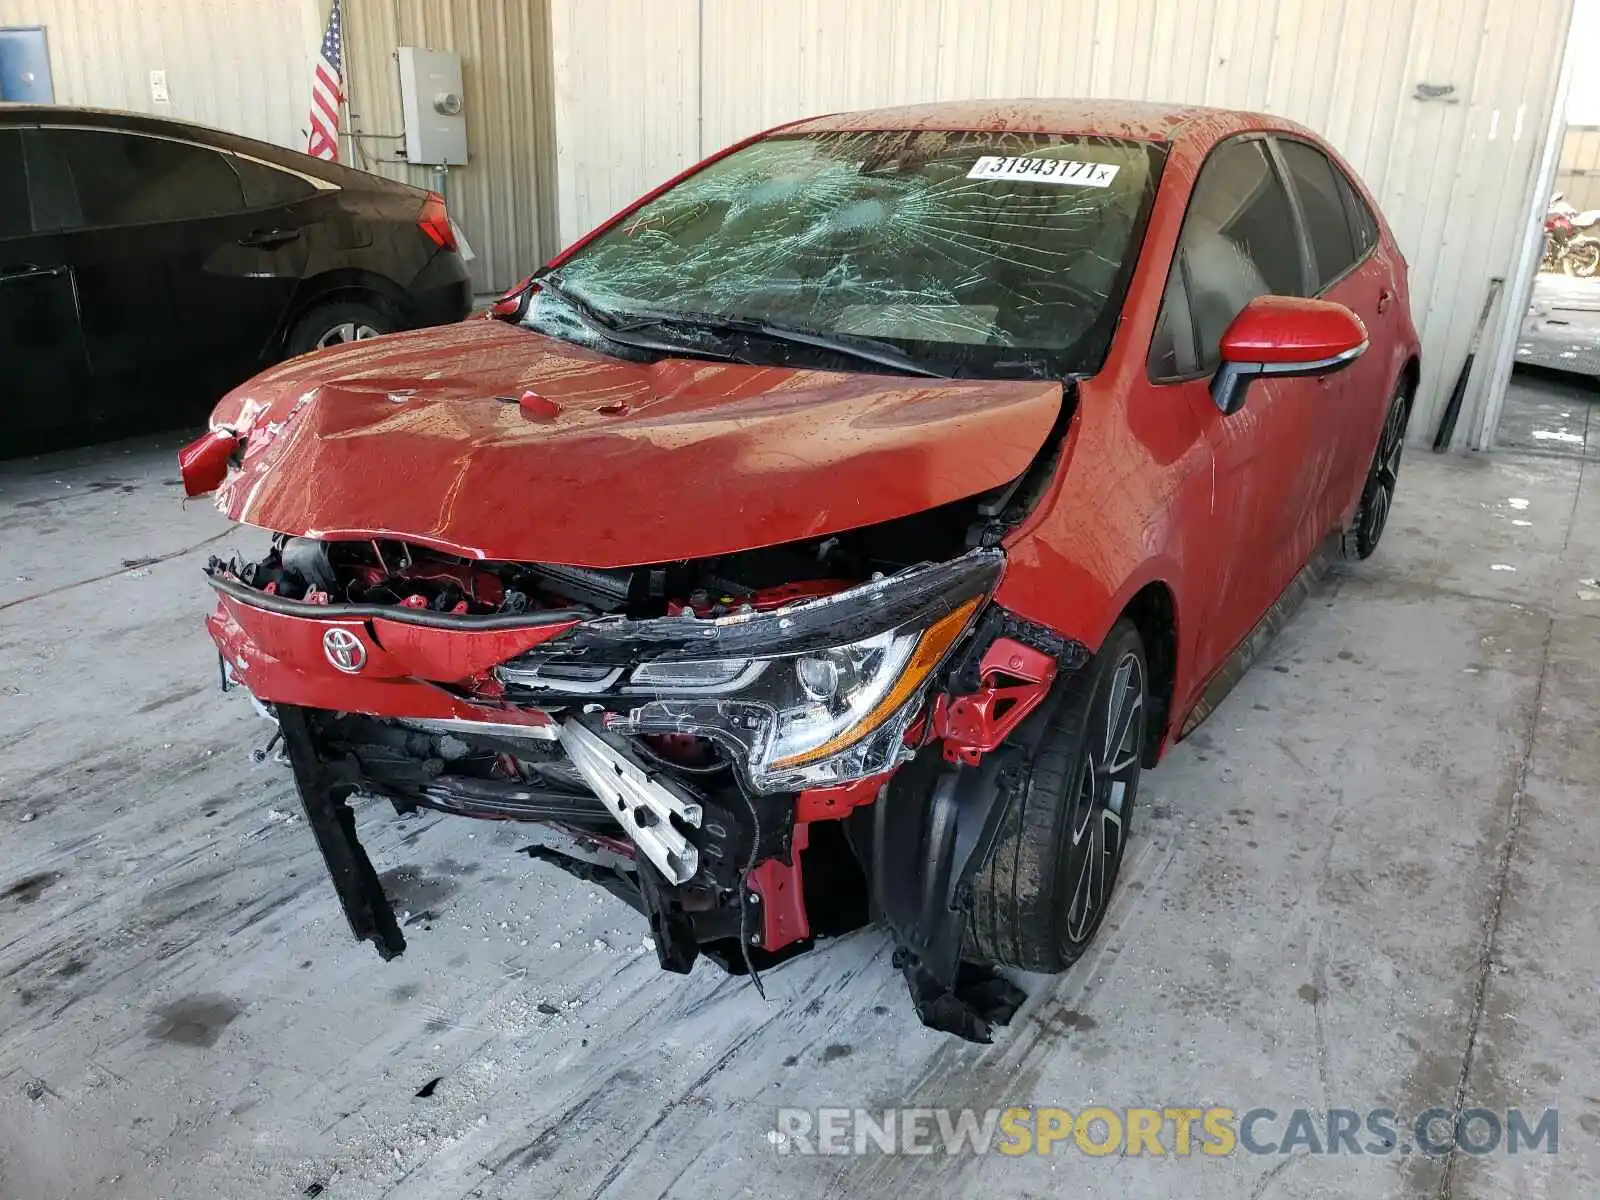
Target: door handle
pixel 30 271
pixel 268 239
pixel 1385 298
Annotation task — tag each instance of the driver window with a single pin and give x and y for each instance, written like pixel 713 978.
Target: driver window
pixel 1238 242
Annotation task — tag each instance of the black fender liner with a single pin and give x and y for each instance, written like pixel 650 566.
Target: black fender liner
pixel 932 831
pixel 922 843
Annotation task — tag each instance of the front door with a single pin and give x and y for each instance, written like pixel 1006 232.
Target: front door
pixel 44 381
pixel 1239 241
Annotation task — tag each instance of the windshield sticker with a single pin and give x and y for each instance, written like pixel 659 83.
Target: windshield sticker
pixel 1044 170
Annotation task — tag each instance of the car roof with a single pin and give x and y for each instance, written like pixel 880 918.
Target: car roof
pixel 1140 120
pixel 120 120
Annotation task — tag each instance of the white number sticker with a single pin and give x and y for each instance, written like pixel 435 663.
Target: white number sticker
pixel 1044 170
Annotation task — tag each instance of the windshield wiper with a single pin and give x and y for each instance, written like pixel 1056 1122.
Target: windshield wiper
pixel 623 327
pixel 865 349
pixel 605 324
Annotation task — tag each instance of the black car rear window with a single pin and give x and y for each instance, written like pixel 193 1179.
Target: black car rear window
pixel 133 179
pixel 976 253
pixel 265 187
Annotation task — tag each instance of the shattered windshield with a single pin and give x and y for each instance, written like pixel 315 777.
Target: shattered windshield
pixel 979 254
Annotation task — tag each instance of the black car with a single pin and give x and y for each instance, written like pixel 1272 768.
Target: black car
pixel 147 266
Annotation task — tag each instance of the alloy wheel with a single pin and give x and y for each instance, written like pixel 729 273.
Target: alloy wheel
pixel 1386 470
pixel 1099 811
pixel 347 331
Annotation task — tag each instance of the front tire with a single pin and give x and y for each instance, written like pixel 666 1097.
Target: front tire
pixel 1042 895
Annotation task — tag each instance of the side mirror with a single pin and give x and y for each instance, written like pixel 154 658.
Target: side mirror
pixel 1284 335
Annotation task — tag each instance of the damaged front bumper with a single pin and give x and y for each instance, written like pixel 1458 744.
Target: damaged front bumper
pixel 749 781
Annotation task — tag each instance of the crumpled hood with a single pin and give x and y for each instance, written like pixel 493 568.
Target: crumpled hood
pixel 433 437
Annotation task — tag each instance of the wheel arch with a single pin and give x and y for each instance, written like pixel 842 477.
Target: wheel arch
pixel 331 287
pixel 1153 610
pixel 1411 376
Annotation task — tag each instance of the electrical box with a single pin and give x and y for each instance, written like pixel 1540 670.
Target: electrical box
pixel 432 106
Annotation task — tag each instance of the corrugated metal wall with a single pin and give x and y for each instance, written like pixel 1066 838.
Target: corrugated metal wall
pixel 243 65
pixel 644 86
pixel 504 198
pixel 626 75
pixel 1578 178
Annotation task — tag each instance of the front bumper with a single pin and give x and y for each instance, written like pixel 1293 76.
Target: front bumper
pixel 411 666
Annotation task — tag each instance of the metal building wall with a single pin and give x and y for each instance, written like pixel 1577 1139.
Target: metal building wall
pixel 1442 105
pixel 243 65
pixel 504 198
pixel 1578 178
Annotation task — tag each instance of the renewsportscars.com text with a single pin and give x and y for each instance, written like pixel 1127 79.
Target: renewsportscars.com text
pixel 1213 1131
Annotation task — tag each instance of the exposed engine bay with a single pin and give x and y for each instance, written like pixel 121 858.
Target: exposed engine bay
pixel 384 572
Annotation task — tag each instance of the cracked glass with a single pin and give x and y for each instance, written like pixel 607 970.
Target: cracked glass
pixel 877 239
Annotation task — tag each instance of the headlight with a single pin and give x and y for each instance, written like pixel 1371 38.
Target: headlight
pixel 816 693
pixel 809 719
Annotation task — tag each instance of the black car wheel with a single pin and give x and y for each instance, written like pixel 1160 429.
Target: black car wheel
pixel 1377 496
pixel 335 324
pixel 1041 897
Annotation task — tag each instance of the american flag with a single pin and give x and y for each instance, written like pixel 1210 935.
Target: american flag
pixel 327 89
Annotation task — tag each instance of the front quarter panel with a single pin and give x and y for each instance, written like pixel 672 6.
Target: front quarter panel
pixel 1130 506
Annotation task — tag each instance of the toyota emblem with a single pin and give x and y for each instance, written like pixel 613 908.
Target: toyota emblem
pixel 344 650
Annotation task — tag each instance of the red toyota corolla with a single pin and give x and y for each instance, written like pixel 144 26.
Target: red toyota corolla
pixel 834 534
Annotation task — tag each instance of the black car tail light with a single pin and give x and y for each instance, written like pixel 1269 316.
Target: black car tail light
pixel 435 222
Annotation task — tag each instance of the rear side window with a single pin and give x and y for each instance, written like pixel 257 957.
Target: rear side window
pixel 1238 242
pixel 1327 221
pixel 267 187
pixel 13 186
pixel 130 179
pixel 1363 225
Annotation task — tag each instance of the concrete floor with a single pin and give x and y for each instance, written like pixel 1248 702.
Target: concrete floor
pixel 1561 331
pixel 1369 881
pixel 1548 412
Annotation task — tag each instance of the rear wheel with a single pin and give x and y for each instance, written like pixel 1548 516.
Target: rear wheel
pixel 336 324
pixel 1043 893
pixel 1583 257
pixel 1377 495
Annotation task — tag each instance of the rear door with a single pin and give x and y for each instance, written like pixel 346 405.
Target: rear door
pixel 1240 241
pixel 1347 272
pixel 43 368
pixel 182 279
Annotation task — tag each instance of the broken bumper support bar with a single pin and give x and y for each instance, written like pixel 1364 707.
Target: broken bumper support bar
pixel 652 809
